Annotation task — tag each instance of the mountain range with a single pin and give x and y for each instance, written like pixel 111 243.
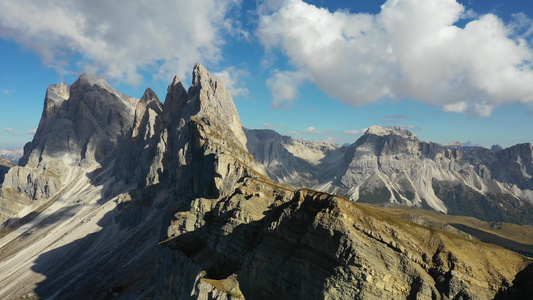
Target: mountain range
pixel 13 155
pixel 117 197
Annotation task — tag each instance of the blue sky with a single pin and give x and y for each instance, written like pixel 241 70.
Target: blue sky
pixel 317 70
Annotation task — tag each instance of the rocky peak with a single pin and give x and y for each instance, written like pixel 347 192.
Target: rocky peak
pixel 496 148
pixel 91 86
pixel 80 126
pixel 147 108
pixel 93 79
pixel 385 131
pixel 194 135
pixel 56 94
pixel 175 100
pixel 150 96
pixel 216 106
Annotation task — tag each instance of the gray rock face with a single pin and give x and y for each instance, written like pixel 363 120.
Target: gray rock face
pixel 391 165
pixel 202 120
pixel 5 165
pixel 179 143
pixel 80 126
pixel 289 161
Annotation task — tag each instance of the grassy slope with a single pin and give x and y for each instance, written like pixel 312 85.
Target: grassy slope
pixel 508 235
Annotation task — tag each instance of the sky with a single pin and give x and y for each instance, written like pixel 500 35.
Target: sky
pixel 320 70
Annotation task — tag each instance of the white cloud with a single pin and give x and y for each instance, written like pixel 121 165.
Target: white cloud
pixel 120 39
pixel 393 119
pixel 331 141
pixel 312 129
pixel 284 86
pixel 268 125
pixel 308 130
pixel 32 131
pixel 412 127
pixel 8 130
pixel 356 131
pixel 455 107
pixel 411 49
pixel 8 92
pixel 397 117
pixel 522 25
pixel 231 77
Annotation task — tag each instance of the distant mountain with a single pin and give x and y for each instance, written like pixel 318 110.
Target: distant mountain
pixel 496 148
pixel 117 197
pixel 12 155
pixel 464 146
pixel 391 165
pixel 287 160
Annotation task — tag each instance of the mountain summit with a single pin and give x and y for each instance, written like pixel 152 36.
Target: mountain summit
pixel 117 197
pixel 384 131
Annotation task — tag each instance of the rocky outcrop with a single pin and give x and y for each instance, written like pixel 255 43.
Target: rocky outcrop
pixel 309 245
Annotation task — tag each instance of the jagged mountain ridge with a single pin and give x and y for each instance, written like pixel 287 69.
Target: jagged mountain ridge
pixel 391 165
pixel 179 209
pixel 164 156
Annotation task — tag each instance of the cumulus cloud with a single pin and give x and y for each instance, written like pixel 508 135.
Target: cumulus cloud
pixel 330 141
pixel 412 127
pixel 411 49
pixel 398 117
pixel 232 79
pixel 8 130
pixel 393 119
pixel 308 130
pixel 356 131
pixel 272 126
pixel 120 39
pixel 32 131
pixel 284 86
pixel 312 129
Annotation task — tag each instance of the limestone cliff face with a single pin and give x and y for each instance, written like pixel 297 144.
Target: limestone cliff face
pixel 203 120
pixel 391 165
pixel 179 143
pixel 289 161
pixel 80 126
